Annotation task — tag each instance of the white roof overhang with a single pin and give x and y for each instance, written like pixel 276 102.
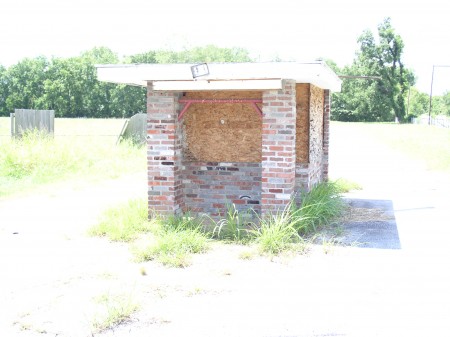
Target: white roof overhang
pixel 222 76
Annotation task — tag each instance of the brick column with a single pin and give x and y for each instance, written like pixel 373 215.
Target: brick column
pixel 165 192
pixel 326 132
pixel 278 147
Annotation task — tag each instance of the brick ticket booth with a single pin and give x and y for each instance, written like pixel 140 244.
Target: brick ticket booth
pixel 251 134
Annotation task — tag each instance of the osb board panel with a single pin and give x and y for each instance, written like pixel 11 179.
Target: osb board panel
pixel 316 126
pixel 302 135
pixel 222 132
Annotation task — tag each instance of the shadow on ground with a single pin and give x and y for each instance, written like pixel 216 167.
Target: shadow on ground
pixel 373 225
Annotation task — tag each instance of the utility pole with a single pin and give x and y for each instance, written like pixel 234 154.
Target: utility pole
pixel 431 90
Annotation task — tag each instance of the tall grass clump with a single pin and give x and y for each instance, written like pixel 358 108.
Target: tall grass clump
pixel 292 227
pixel 277 232
pixel 174 240
pixel 37 159
pixel 319 206
pixel 124 222
pixel 234 227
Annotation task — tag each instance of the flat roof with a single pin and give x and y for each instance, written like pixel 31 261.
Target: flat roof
pixel 222 76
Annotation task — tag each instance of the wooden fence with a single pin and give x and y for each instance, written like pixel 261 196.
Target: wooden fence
pixel 135 129
pixel 23 120
pixel 442 121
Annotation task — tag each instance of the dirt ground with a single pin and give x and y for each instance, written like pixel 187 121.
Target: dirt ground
pixel 52 275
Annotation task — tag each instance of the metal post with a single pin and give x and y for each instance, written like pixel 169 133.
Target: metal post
pixel 13 132
pixel 431 90
pixel 431 97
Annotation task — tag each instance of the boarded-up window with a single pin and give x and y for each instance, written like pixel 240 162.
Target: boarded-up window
pixel 222 132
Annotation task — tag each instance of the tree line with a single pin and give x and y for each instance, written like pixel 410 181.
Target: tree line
pixel 377 86
pixel 70 86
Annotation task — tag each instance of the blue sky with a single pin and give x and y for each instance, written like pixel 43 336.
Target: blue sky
pixel 290 29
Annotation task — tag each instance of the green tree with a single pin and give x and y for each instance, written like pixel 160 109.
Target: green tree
pixel 357 100
pixel 438 106
pixel 147 57
pixel 209 53
pixel 65 87
pixel 385 59
pixel 419 103
pixel 3 91
pixel 25 82
pixel 70 86
pixel 365 99
pixel 98 94
pixel 446 101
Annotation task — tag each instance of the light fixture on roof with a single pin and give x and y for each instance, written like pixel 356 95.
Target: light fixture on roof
pixel 199 70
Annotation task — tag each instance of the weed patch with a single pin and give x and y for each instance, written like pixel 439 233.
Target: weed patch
pixel 124 222
pixel 38 159
pixel 277 232
pixel 234 227
pixel 173 241
pixel 318 208
pixel 113 309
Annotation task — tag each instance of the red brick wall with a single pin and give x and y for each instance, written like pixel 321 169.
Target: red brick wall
pixel 164 153
pixel 176 184
pixel 278 147
pixel 209 187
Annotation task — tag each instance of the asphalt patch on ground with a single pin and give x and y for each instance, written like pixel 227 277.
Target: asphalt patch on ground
pixel 370 224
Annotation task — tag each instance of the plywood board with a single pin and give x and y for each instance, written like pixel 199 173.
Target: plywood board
pixel 222 132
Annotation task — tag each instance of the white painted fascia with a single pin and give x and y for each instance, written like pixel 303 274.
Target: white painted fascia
pixel 203 85
pixel 316 73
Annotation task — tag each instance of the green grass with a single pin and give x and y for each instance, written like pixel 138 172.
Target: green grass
pixel 173 242
pixel 428 144
pixel 234 227
pixel 294 227
pixel 345 185
pixel 173 248
pixel 277 232
pixel 38 160
pixel 124 222
pixel 170 241
pixel 114 309
pixel 319 207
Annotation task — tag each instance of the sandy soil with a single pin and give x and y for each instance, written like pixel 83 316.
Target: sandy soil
pixel 52 274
